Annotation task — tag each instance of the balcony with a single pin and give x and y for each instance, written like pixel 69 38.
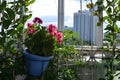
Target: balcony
pixel 90 45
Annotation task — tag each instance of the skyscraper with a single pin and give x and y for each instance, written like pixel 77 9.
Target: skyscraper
pixel 85 26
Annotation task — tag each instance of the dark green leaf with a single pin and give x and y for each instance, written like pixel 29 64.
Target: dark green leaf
pixel 26 17
pixel 107 28
pixel 101 79
pixel 109 20
pixel 5 16
pixel 98 24
pixel 10 13
pixel 2 40
pixel 10 31
pixel 99 2
pixel 10 43
pixel 109 10
pixel 1 9
pixel 3 5
pixel 6 24
pixel 26 9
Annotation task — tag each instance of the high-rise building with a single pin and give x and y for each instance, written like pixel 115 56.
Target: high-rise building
pixel 85 26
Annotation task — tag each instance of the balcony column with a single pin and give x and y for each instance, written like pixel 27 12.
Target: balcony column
pixel 99 36
pixel 60 15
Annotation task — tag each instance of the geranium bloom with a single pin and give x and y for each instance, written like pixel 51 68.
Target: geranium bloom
pixel 59 41
pixel 37 20
pixel 30 25
pixel 52 29
pixel 30 31
pixel 59 37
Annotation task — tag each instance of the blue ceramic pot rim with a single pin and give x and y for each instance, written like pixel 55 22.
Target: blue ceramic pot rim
pixel 30 56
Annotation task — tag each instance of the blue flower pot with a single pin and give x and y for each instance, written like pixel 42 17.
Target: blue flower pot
pixel 36 64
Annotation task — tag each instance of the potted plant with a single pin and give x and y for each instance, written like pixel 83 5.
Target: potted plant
pixel 40 42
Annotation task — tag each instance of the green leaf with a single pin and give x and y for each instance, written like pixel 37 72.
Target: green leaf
pixel 117 1
pixel 11 13
pixel 6 24
pixel 118 17
pixel 10 43
pixel 117 9
pixel 109 20
pixel 3 5
pixel 99 2
pixel 108 27
pixel 10 31
pixel 26 17
pixel 109 10
pixel 5 16
pixel 27 3
pixel 105 18
pixel 101 79
pixel 20 27
pixel 1 9
pixel 2 41
pixel 26 9
pixel 116 27
pixel 98 24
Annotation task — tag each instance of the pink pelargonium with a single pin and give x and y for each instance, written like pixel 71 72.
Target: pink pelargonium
pixel 59 41
pixel 59 37
pixel 37 20
pixel 52 29
pixel 30 31
pixel 30 25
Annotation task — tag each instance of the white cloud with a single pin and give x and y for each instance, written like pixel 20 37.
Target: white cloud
pixel 44 7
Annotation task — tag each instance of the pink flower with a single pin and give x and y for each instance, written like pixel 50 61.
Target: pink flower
pixel 30 25
pixel 37 20
pixel 55 34
pixel 52 29
pixel 30 31
pixel 59 41
pixel 59 37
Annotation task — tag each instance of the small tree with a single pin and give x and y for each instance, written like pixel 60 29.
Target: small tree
pixel 12 21
pixel 112 17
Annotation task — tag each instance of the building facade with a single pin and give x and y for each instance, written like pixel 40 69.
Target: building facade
pixel 85 26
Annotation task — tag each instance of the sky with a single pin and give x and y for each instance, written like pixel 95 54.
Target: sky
pixel 47 10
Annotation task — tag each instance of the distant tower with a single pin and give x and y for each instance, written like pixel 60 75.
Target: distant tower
pixel 60 14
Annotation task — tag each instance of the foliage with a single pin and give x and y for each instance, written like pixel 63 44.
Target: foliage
pixel 112 17
pixel 67 74
pixel 41 40
pixel 12 23
pixel 61 61
pixel 60 64
pixel 72 38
